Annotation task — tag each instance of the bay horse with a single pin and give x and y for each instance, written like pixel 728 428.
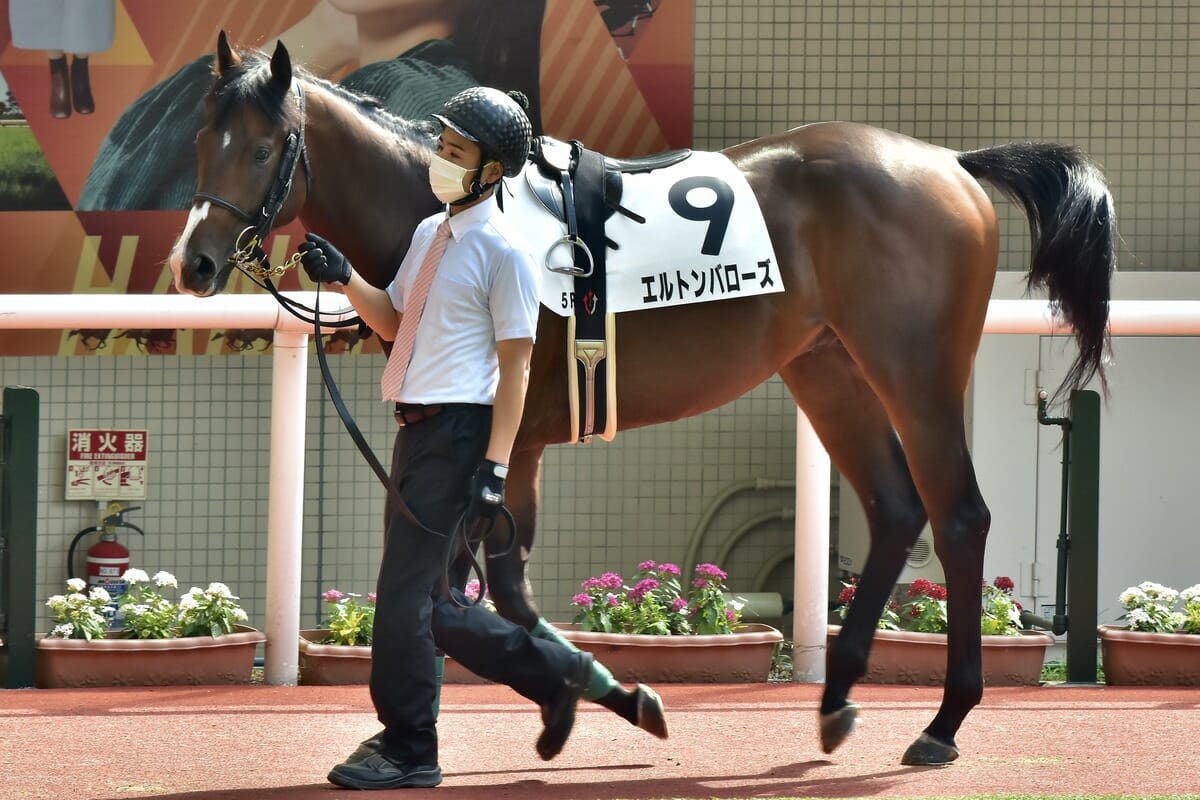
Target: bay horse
pixel 887 246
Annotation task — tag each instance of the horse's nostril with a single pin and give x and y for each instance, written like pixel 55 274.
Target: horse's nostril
pixel 204 268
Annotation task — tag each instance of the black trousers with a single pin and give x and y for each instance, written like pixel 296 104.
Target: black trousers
pixel 432 464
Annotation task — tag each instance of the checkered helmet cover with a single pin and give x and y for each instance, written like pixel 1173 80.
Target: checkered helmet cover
pixel 493 119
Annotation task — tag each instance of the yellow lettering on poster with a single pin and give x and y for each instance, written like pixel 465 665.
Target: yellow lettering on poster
pixel 89 269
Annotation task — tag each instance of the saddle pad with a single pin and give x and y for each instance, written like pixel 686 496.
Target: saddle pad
pixel 704 239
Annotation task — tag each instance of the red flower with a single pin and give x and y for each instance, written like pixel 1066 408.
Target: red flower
pixel 920 586
pixel 1004 584
pixel 936 592
pixel 846 595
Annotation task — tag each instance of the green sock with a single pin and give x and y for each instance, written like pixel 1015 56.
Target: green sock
pixel 602 681
pixel 439 666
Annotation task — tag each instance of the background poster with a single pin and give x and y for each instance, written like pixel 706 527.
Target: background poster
pixel 96 165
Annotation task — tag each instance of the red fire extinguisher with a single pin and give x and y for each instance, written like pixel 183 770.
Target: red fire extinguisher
pixel 107 559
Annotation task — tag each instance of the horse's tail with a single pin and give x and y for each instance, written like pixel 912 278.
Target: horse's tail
pixel 1074 229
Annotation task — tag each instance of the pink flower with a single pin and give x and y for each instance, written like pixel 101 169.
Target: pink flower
pixel 332 596
pixel 582 599
pixel 371 598
pixel 613 602
pixel 471 590
pixel 669 569
pixel 638 593
pixel 611 580
pixel 646 566
pixel 712 570
pixel 678 604
pixel 700 583
pixel 731 615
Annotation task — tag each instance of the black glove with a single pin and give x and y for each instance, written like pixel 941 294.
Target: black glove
pixel 323 262
pixel 487 493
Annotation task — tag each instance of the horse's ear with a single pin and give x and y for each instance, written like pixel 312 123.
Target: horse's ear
pixel 281 65
pixel 226 58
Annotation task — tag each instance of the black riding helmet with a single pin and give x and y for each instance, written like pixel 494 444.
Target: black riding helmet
pixel 495 121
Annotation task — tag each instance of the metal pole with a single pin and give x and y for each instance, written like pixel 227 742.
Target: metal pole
pixel 18 532
pixel 1084 515
pixel 285 509
pixel 810 582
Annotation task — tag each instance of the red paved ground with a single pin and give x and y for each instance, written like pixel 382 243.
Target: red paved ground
pixel 727 741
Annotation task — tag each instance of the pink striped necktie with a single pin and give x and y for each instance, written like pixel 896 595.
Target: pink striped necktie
pixel 414 306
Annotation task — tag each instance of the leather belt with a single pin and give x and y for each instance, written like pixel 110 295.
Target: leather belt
pixel 411 413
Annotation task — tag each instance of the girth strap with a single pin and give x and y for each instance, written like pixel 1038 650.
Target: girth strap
pixel 590 352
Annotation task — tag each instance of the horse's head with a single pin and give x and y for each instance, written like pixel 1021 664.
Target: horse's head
pixel 249 150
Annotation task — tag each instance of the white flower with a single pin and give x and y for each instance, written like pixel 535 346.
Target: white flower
pixel 56 600
pixel 219 590
pixel 136 609
pixel 162 579
pixel 1138 616
pixel 1190 594
pixel 134 576
pixel 76 584
pixel 1132 596
pixel 239 614
pixel 62 631
pixel 1158 591
pixel 99 593
pixel 188 602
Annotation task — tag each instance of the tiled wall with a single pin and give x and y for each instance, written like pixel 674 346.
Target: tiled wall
pixel 1118 79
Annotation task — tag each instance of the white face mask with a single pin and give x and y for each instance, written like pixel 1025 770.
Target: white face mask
pixel 446 179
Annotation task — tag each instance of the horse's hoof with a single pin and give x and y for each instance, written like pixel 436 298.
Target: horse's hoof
pixel 927 751
pixel 837 726
pixel 650 714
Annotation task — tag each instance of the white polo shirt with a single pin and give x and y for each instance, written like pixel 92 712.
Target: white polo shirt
pixel 485 291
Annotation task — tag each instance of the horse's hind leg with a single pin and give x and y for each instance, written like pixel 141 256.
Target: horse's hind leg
pixel 858 436
pixel 920 374
pixel 509 588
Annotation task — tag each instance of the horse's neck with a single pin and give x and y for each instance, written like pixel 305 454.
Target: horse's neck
pixel 369 187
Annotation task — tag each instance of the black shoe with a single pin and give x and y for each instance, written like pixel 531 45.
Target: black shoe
pixel 558 714
pixel 365 748
pixel 60 88
pixel 376 771
pixel 81 86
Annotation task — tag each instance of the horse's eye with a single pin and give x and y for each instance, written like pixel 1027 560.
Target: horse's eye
pixel 262 155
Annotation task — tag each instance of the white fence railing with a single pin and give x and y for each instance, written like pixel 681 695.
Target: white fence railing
pixel 289 389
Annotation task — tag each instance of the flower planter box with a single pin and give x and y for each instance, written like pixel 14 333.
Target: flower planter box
pixel 743 656
pixel 331 664
pixel 192 660
pixel 336 664
pixel 919 659
pixel 1137 658
pixel 740 657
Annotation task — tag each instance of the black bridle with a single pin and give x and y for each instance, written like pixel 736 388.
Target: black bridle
pixel 249 256
pixel 252 260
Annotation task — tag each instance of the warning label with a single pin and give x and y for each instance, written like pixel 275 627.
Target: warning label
pixel 105 464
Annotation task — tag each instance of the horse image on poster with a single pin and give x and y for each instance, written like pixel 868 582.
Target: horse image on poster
pixel 886 247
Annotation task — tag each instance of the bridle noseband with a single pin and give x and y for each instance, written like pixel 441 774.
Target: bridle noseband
pixel 249 255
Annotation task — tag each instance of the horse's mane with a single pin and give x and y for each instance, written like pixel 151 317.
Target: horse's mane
pixel 250 83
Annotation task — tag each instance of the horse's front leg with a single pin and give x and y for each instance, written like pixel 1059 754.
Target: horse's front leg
pixel 508 551
pixel 508 583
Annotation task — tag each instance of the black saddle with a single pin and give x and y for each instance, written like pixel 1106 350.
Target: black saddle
pixel 557 161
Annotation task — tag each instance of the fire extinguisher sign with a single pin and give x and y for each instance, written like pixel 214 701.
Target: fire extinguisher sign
pixel 104 464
